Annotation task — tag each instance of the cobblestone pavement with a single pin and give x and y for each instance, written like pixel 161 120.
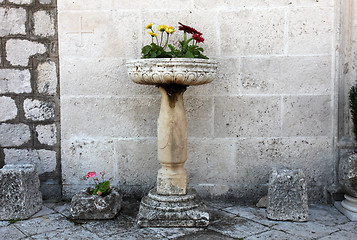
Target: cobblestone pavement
pixel 228 221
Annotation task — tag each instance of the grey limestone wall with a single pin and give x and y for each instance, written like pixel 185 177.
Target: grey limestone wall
pixel 29 89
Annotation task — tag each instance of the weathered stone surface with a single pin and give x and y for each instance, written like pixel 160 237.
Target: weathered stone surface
pixel 348 173
pixel 172 211
pixel 47 134
pixel 47 78
pixel 84 206
pixel 18 51
pixel 15 81
pixel 21 1
pixel 12 21
pixel 45 1
pixel 45 160
pixel 43 24
pixel 13 135
pixel 20 196
pixel 37 110
pixel 8 109
pixel 287 196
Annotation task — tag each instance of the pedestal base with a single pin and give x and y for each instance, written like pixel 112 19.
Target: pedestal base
pixel 348 207
pixel 172 211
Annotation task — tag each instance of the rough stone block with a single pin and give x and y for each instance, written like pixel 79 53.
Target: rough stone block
pixel 45 1
pixel 18 51
pixel 348 173
pixel 47 134
pixel 199 112
pixel 43 24
pixel 12 21
pixel 247 116
pixel 15 81
pixel 8 109
pixel 85 206
pixel 20 196
pixel 276 76
pixel 265 36
pixel 45 160
pixel 37 110
pixel 310 30
pixel 307 116
pixel 13 135
pixel 47 78
pixel 287 196
pixel 21 1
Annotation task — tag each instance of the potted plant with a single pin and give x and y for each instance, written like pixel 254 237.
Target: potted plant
pixel 100 202
pixel 172 70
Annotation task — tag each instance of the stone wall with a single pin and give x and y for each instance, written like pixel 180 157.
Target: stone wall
pixel 29 89
pixel 272 104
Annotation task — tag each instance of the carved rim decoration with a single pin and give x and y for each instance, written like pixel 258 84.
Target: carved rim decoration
pixel 164 71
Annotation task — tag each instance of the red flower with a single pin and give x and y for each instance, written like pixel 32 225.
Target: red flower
pixel 198 37
pixel 189 29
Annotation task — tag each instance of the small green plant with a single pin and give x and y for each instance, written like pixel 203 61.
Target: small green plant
pixel 353 107
pixel 101 188
pixel 161 49
pixel 14 220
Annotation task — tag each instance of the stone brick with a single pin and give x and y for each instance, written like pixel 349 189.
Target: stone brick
pixel 47 134
pixel 43 24
pixel 261 32
pixel 307 116
pixel 47 78
pixel 96 116
pixel 18 51
pixel 15 81
pixel 45 160
pixel 274 75
pixel 310 31
pixel 45 1
pixel 287 196
pixel 20 194
pixel 13 135
pixel 37 110
pixel 8 109
pixel 12 21
pixel 247 116
pixel 21 1
pixel 199 113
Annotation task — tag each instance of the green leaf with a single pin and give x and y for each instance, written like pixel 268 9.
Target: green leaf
pixel 189 55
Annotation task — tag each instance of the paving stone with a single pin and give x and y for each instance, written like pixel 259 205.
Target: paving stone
pixel 340 235
pixel 15 81
pixel 173 233
pixel 68 233
pixel 18 51
pixel 44 224
pixel 37 110
pixel 12 21
pixel 326 215
pixel 13 135
pixel 274 234
pixel 63 208
pixel 143 233
pixel 8 109
pixel 237 227
pixel 11 232
pixel 4 223
pixel 308 230
pixel 204 235
pixel 350 227
pixel 44 211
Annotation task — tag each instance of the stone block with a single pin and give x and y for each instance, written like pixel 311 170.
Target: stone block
pixel 14 135
pixel 47 78
pixel 265 36
pixel 310 30
pixel 80 31
pixel 43 24
pixel 12 21
pixel 307 116
pixel 21 1
pixel 287 196
pixel 102 116
pixel 199 113
pixel 348 173
pixel 45 2
pixel 47 134
pixel 247 116
pixel 37 110
pixel 18 51
pixel 276 76
pixel 8 109
pixel 85 206
pixel 45 160
pixel 15 81
pixel 20 196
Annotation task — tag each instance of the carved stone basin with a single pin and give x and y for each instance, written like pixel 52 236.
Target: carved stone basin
pixel 179 71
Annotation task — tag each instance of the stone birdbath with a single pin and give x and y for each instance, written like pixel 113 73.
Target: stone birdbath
pixel 171 203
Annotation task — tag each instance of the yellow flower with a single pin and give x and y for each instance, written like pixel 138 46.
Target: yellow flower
pixel 170 29
pixel 149 26
pixel 161 28
pixel 153 34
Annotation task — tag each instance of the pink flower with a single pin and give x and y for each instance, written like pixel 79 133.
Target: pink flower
pixel 91 175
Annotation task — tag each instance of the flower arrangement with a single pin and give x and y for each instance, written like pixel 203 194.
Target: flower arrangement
pixel 159 47
pixel 101 188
